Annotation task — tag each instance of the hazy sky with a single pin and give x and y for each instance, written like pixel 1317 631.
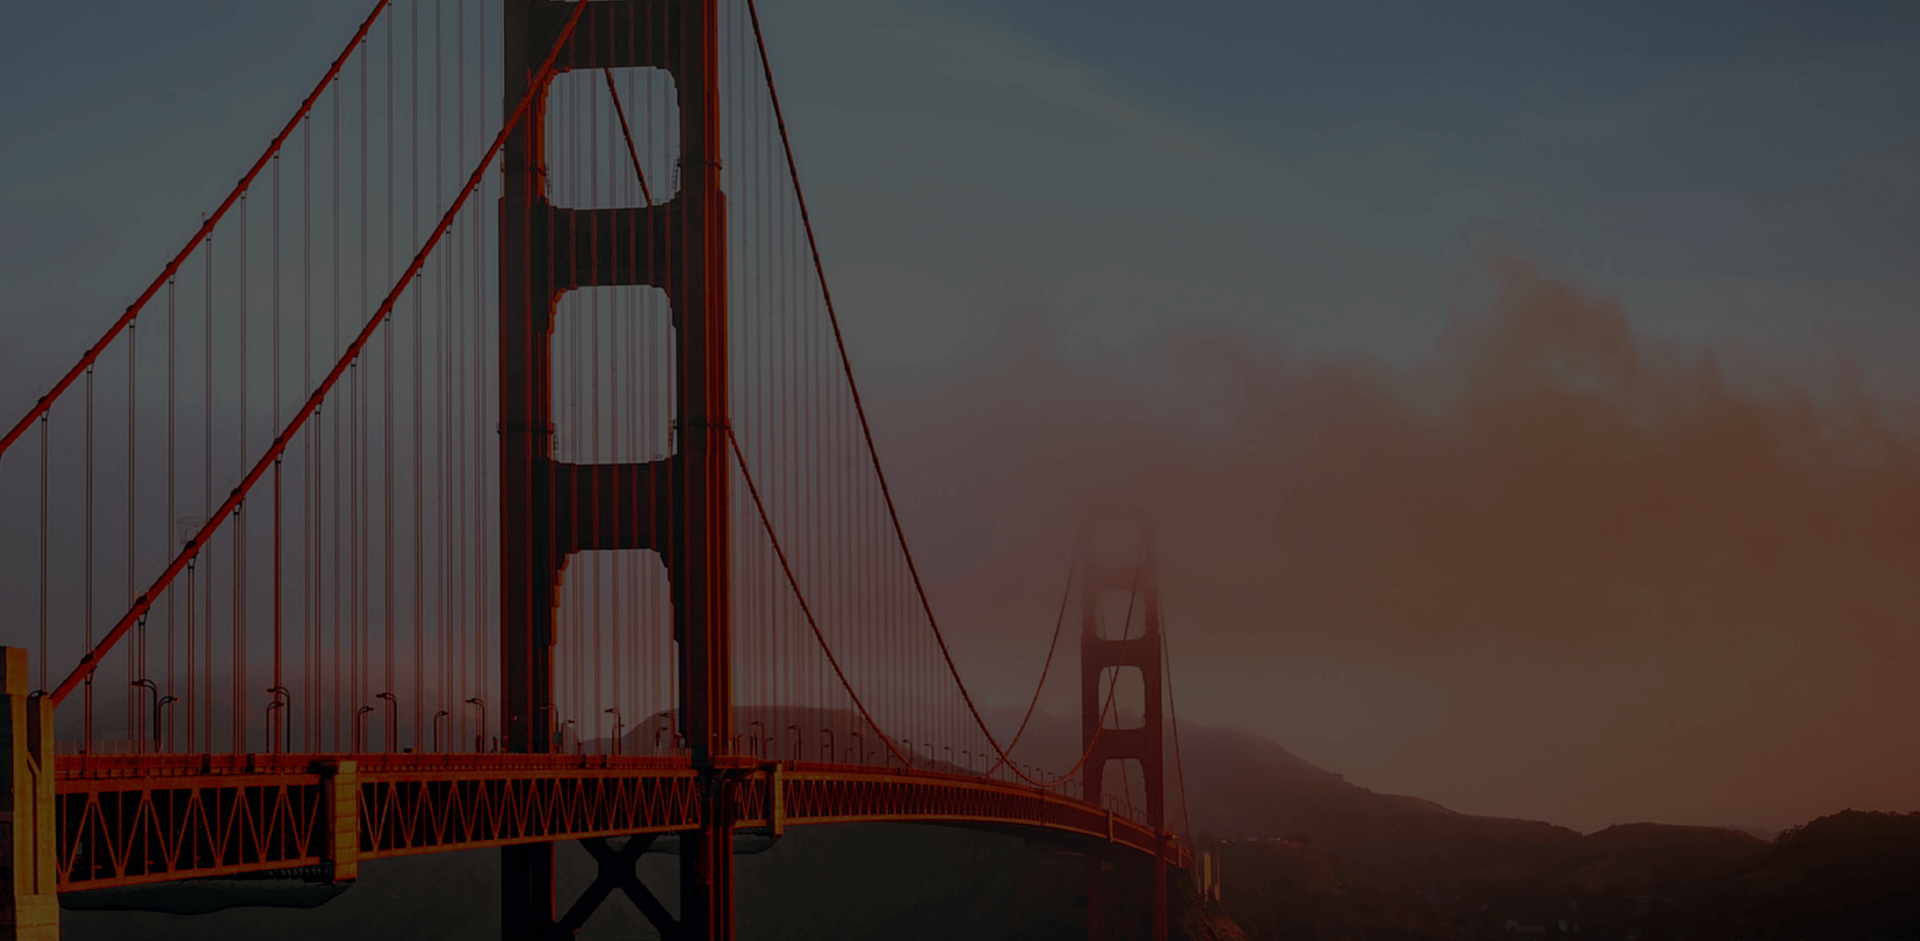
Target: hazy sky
pixel 1088 186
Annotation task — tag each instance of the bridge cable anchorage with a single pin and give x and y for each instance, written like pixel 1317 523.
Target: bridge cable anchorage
pixel 348 357
pixel 859 407
pixel 207 225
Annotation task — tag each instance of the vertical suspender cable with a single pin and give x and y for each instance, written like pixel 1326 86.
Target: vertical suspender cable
pixel 278 556
pixel 171 538
pixel 136 659
pixel 45 442
pixel 441 409
pixel 418 497
pixel 239 537
pixel 86 742
pixel 312 704
pixel 388 566
pixel 205 699
pixel 341 709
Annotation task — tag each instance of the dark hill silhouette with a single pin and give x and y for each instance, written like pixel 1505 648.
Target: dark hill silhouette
pixel 1244 787
pixel 1291 889
pixel 1850 874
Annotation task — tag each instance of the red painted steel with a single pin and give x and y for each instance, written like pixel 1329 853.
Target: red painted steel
pixel 126 820
pixel 156 817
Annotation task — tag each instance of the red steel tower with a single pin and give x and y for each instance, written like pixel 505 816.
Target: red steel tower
pixel 676 506
pixel 1107 649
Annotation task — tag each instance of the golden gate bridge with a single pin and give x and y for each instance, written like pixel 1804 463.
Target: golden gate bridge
pixel 487 470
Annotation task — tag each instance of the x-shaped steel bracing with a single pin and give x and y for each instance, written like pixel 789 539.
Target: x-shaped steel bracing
pixel 617 872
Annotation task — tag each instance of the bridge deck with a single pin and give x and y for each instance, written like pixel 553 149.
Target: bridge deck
pixel 125 820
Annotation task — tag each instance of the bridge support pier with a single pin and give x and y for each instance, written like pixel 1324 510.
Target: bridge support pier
pixel 29 907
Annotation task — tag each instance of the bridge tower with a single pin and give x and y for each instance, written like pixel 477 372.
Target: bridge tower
pixel 676 506
pixel 1106 650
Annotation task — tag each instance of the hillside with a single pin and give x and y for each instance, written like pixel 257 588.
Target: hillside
pixel 1244 787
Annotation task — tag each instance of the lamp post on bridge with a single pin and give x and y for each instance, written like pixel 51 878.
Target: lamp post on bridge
pixel 360 728
pixel 799 741
pixel 437 716
pixel 149 685
pixel 283 700
pixel 546 727
pixel 618 724
pixel 826 743
pixel 393 720
pixel 480 741
pixel 158 707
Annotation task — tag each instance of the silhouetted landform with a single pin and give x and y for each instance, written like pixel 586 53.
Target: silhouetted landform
pixel 1288 888
pixel 1851 875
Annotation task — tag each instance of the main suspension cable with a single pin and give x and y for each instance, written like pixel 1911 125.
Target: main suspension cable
pixel 866 429
pixel 347 357
pixel 207 225
pixel 806 609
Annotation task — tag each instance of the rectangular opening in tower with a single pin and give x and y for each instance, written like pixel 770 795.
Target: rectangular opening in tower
pixel 614 650
pixel 613 376
pixel 592 151
pixel 1125 707
pixel 1122 613
pixel 1126 782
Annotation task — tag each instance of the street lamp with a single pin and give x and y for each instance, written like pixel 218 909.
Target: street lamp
pixel 763 736
pixel 393 720
pixel 826 744
pixel 618 724
pixel 799 740
pixel 286 717
pixel 437 716
pixel 480 741
pixel 360 728
pixel 164 702
pixel 155 690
